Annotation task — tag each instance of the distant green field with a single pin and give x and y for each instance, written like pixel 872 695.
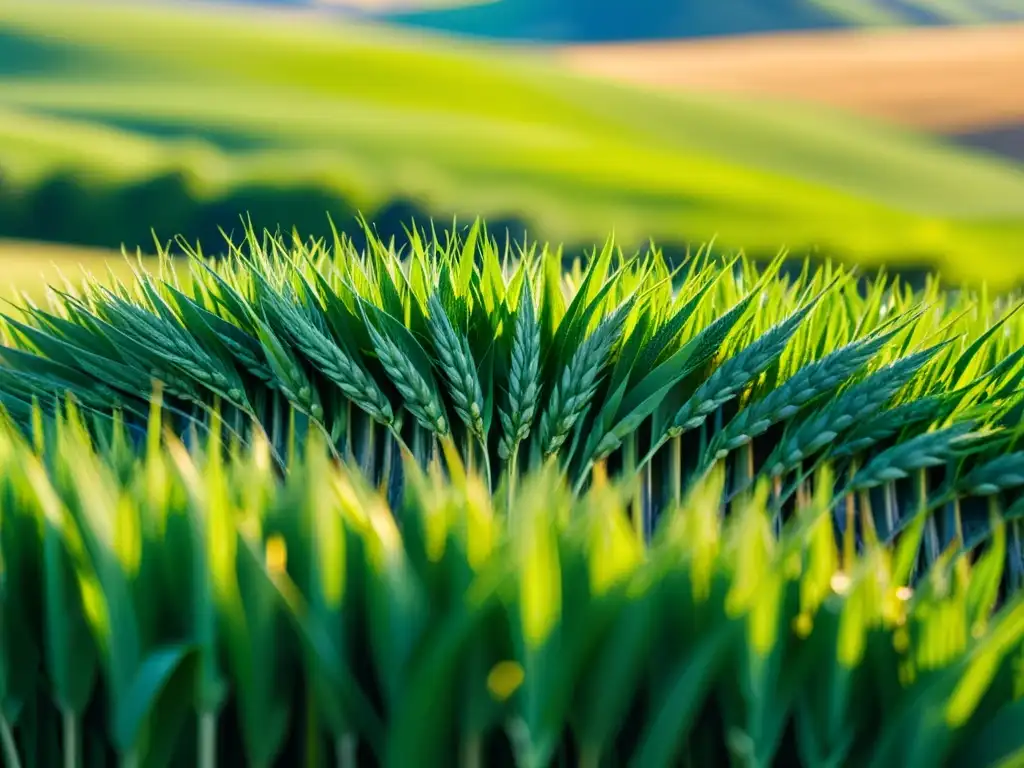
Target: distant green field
pixel 121 94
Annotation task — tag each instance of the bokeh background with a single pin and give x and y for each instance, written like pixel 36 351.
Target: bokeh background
pixel 883 132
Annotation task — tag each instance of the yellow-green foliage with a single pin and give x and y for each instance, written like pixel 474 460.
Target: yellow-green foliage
pixel 176 607
pixel 29 267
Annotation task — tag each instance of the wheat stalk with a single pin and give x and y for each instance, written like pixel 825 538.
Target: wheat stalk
pixel 931 449
pixel 1000 474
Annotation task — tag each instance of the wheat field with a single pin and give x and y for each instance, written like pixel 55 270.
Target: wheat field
pixel 947 80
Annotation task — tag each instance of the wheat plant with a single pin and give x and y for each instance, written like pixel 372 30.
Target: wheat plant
pixel 195 606
pixel 622 363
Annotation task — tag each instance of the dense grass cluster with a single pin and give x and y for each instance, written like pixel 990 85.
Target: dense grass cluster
pixel 658 374
pixel 176 607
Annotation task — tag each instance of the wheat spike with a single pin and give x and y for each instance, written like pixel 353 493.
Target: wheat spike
pixel 242 349
pixel 289 378
pixel 419 399
pixel 148 353
pixel 783 402
pixel 931 449
pixel 999 474
pixel 456 362
pixel 177 350
pixel 880 427
pixel 846 410
pixel 578 382
pixel 332 361
pixel 735 373
pixel 524 376
pixel 250 362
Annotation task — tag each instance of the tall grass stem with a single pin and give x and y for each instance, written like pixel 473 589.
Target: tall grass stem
pixel 70 726
pixel 10 748
pixel 207 740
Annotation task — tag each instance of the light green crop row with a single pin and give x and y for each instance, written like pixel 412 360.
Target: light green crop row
pixel 175 607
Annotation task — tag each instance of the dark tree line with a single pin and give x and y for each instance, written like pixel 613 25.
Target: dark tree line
pixel 70 210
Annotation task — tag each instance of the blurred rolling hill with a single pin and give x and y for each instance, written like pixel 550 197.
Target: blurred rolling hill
pixel 960 82
pixel 575 21
pixel 115 120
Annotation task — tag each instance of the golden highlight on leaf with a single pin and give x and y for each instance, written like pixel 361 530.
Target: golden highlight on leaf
pixel 615 550
pixel 753 542
pixel 803 625
pixel 276 555
pixel 696 527
pixel 128 535
pixel 540 586
pixel 481 530
pixel 538 562
pixel 504 679
pixel 764 615
pixel 436 522
pixel 331 552
pixel 853 627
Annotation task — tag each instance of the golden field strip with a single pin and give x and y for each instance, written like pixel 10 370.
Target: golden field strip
pixel 31 266
pixel 946 80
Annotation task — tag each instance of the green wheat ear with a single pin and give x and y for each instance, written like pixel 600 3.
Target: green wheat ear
pixel 853 415
pixel 524 376
pixel 329 358
pixel 419 397
pixel 807 385
pixel 734 374
pixel 456 362
pixel 578 382
pixel 931 449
